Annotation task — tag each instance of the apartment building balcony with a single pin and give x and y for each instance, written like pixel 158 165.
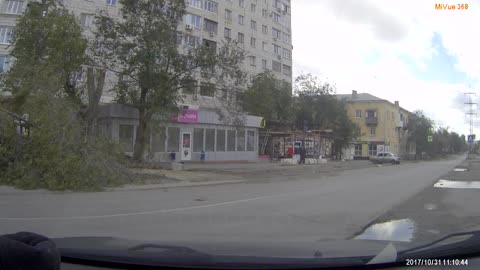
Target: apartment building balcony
pixel 371 120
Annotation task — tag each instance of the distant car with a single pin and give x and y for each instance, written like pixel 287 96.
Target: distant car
pixel 385 158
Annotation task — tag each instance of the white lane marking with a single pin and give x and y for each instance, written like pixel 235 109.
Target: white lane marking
pixel 141 213
pixel 442 183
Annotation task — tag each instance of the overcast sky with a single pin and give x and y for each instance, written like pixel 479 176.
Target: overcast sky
pixel 397 50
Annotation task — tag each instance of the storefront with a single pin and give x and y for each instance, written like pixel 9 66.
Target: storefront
pixel 195 131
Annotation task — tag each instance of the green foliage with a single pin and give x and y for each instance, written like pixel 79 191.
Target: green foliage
pixel 55 157
pixel 317 108
pixel 443 143
pixel 271 99
pixel 49 51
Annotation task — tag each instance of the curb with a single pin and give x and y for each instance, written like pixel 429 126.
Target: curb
pixel 179 185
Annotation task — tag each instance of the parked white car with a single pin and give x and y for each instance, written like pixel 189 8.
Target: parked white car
pixel 386 157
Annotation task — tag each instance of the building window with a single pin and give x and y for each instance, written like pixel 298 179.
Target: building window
pixel 241 140
pixel 287 54
pixel 250 140
pixel 210 26
pixel 194 20
pixel 4 63
pixel 189 87
pixel 276 17
pixel 371 113
pixel 195 3
pixel 264 13
pixel 253 42
pixel 241 38
pixel 358 113
pixel 276 49
pixel 111 2
pixel 125 137
pixel 264 64
pixel 253 25
pixel 220 140
pixel 241 3
pixel 253 7
pixel 372 131
pixel 372 149
pixel 6 34
pixel 192 41
pixel 252 60
pixel 231 140
pixel 228 14
pixel 276 33
pixel 179 38
pixel 227 33
pixel 358 150
pixel 276 66
pixel 159 137
pixel 240 19
pixel 264 29
pixel 86 20
pixel 12 7
pixel 265 46
pixel 207 89
pixel 287 70
pixel 209 140
pixel 198 140
pixel 401 117
pixel 173 139
pixel 286 38
pixel 211 6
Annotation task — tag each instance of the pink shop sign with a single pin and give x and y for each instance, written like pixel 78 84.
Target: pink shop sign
pixel 188 116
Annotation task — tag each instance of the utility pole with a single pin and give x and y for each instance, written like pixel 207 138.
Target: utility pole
pixel 471 114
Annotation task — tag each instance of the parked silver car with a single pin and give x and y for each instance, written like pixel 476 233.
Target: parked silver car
pixel 385 158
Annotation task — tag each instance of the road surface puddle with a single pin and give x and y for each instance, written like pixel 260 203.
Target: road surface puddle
pixel 442 183
pixel 460 170
pixel 394 230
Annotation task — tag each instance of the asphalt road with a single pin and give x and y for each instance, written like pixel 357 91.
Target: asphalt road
pixel 309 207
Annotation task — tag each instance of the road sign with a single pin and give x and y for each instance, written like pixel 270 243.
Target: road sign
pixel 471 138
pixel 430 138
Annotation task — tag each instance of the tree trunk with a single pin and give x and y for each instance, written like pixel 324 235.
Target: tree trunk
pixel 95 84
pixel 141 136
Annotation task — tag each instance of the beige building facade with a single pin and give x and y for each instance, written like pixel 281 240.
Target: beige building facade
pixel 383 126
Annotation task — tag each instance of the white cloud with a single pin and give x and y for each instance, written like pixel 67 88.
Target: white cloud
pixel 332 38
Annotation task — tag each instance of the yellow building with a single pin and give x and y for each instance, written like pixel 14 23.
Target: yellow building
pixel 383 126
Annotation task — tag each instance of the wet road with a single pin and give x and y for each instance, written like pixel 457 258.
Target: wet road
pixel 310 207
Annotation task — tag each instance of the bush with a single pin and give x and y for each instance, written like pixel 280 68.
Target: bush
pixel 56 156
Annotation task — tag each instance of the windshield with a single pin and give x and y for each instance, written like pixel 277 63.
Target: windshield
pixel 240 122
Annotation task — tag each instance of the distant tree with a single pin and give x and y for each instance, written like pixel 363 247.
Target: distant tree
pixel 420 127
pixel 270 98
pixel 317 108
pixel 142 48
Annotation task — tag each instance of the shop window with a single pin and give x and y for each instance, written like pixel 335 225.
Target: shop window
pixel 198 140
pixel 125 136
pixel 220 140
pixel 372 149
pixel 250 140
pixel 173 139
pixel 231 140
pixel 241 140
pixel 158 140
pixel 358 149
pixel 209 140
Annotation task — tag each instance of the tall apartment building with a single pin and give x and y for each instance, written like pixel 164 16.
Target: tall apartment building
pixel 261 27
pixel 383 126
